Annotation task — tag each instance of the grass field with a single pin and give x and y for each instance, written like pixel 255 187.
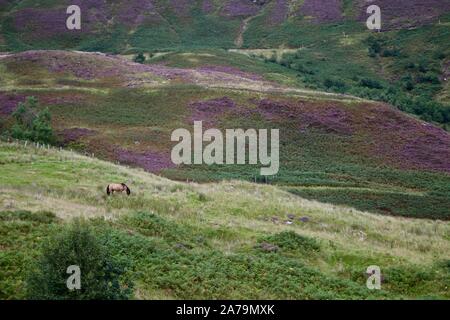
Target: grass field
pixel 190 241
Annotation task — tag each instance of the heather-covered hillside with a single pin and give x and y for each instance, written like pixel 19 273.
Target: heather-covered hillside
pixel 336 148
pixel 156 23
pixel 404 65
pixel 359 126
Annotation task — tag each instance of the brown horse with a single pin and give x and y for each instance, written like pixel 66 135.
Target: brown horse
pixel 114 187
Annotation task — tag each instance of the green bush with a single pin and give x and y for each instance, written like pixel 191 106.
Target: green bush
pixel 428 77
pixel 152 225
pixel 334 84
pixel 370 83
pixel 390 53
pixel 375 45
pixel 32 125
pixel 76 245
pixel 407 82
pixel 446 265
pixel 289 240
pixel 40 216
pixel 139 58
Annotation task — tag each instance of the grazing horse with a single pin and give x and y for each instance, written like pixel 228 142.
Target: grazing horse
pixel 114 187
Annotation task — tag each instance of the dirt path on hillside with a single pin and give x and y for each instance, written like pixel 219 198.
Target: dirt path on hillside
pixel 240 38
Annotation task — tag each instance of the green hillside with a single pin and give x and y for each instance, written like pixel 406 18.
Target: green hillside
pixel 189 241
pixel 405 65
pixel 335 148
pixel 364 172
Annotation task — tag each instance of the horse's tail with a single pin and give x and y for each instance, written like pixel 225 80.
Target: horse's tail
pixel 107 190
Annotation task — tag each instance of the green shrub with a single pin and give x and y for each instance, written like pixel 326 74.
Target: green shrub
pixel 404 279
pixel 32 125
pixel 152 225
pixel 334 84
pixel 139 58
pixel 41 217
pixel 428 78
pixel 370 83
pixel 289 240
pixel 375 45
pixel 390 53
pixel 76 245
pixel 407 82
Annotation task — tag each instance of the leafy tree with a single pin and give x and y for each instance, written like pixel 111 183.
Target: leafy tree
pixel 26 112
pixel 42 129
pixel 76 245
pixel 30 124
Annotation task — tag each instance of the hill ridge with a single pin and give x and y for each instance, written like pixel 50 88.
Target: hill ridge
pixel 208 78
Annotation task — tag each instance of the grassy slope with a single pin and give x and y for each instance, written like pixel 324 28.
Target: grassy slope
pixel 339 52
pixel 191 241
pixel 318 163
pixel 198 58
